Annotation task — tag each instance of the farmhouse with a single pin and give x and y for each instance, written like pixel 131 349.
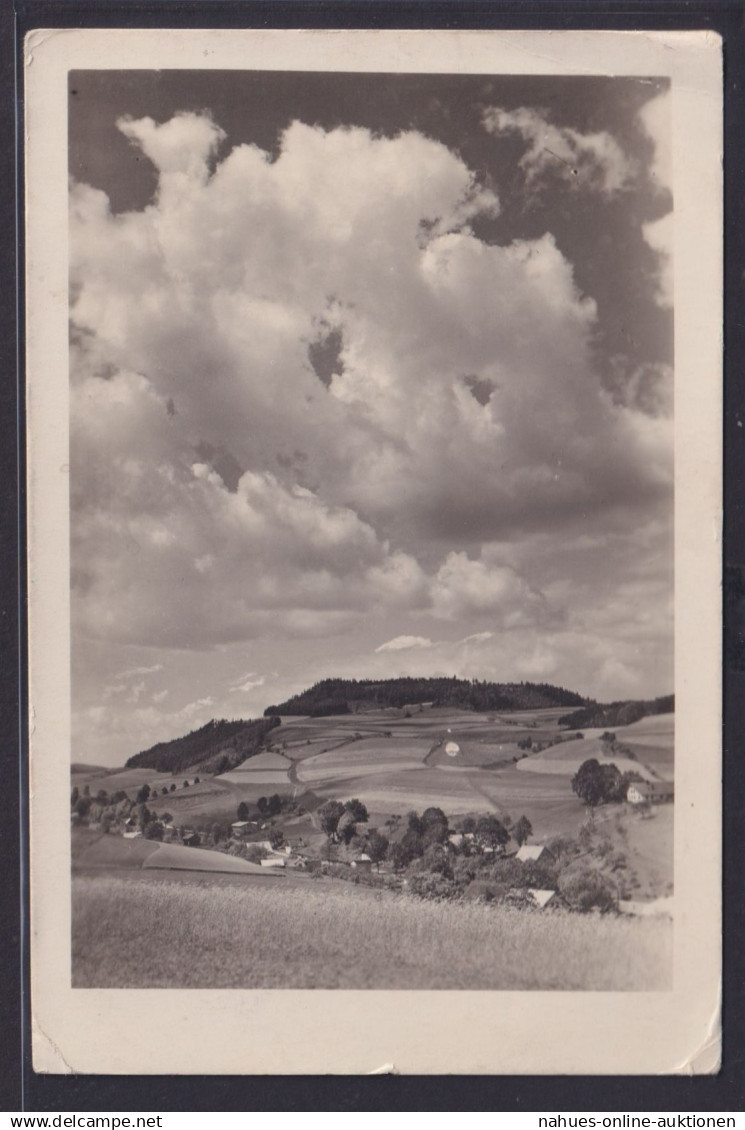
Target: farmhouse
pixel 362 862
pixel 457 839
pixel 275 862
pixel 650 792
pixel 241 828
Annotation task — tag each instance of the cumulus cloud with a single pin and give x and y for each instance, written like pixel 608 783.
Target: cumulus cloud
pixel 464 588
pixel 308 400
pixel 279 553
pixel 591 161
pixel 404 643
pixel 656 120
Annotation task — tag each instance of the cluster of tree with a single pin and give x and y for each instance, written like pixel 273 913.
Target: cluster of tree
pixel 270 806
pixel 339 821
pixel 597 784
pixel 618 713
pixel 340 696
pixel 87 808
pixel 151 824
pixel 586 871
pixel 111 810
pixel 214 748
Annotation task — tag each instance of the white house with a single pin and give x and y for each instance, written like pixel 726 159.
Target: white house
pixel 530 853
pixel 275 862
pixel 650 792
pixel 362 862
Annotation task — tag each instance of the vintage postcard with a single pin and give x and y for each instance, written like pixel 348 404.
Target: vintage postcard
pixel 374 415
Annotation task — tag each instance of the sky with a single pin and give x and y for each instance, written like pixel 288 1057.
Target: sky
pixel 371 375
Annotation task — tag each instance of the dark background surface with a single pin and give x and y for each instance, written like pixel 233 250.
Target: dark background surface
pixel 21 1088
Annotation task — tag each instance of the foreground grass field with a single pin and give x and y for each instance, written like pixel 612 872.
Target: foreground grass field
pixel 147 933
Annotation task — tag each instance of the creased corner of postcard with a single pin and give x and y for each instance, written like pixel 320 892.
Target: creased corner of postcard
pixel 37 37
pixel 706 1058
pixel 47 1055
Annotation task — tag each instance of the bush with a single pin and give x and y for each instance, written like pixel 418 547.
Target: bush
pixel 518 898
pixel 433 887
pixel 586 889
pixel 435 861
pixel 481 890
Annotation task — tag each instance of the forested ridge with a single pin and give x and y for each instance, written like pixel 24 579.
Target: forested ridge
pixel 214 748
pixel 618 713
pixel 344 696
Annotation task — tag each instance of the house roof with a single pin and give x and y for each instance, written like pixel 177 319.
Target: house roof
pixel 240 824
pixel 530 852
pixel 541 897
pixel 653 788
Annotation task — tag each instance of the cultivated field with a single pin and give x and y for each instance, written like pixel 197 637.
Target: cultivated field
pixel 396 760
pixel 98 852
pixel 145 933
pixel 567 758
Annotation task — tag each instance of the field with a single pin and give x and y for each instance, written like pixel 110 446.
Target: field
pixel 396 760
pixel 567 757
pixel 142 932
pixel 98 852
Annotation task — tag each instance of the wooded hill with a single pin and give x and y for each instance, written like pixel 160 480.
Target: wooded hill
pixel 213 748
pixel 617 713
pixel 347 696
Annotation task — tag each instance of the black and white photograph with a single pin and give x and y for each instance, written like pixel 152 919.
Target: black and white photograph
pixel 372 530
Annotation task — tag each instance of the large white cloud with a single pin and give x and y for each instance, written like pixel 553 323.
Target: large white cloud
pixel 225 488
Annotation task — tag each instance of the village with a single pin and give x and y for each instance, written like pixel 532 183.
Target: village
pixel 474 856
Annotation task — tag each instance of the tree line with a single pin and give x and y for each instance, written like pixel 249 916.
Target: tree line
pixel 342 696
pixel 622 713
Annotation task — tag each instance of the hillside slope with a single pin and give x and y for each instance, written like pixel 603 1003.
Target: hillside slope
pixel 214 748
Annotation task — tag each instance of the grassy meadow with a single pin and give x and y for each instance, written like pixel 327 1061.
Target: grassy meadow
pixel 132 932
